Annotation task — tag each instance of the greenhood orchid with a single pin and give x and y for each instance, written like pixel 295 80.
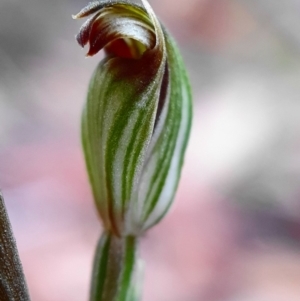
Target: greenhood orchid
pixel 136 121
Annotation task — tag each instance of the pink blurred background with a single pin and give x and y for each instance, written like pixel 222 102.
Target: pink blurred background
pixel 233 233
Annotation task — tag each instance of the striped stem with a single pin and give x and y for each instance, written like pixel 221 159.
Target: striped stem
pixel 115 269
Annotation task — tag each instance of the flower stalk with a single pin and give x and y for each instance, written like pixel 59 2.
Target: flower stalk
pixel 135 127
pixel 115 268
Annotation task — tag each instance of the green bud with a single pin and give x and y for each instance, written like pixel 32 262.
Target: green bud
pixel 137 117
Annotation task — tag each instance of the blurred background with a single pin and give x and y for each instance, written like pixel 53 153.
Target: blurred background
pixel 233 233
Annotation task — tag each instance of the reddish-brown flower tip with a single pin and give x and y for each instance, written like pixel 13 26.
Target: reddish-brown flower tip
pixel 122 28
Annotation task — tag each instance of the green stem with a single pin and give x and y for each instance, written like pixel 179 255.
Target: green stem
pixel 115 268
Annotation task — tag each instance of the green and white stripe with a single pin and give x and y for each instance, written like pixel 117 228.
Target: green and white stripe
pixel 134 161
pixel 166 159
pixel 135 127
pixel 115 269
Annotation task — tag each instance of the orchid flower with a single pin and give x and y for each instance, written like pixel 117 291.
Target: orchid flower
pixel 135 128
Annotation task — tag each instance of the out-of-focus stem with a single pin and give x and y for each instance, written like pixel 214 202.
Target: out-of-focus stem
pixel 12 280
pixel 115 266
